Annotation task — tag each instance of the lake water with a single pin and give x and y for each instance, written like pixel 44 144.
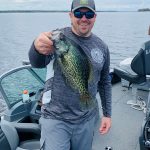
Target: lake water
pixel 124 32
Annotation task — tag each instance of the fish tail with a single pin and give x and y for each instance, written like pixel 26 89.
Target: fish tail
pixel 86 99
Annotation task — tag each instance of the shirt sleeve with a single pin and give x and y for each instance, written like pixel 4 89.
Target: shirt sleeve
pixel 104 87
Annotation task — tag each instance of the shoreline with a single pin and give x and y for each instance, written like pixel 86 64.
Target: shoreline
pixel 49 11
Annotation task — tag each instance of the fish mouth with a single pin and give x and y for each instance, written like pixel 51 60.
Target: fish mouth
pixel 56 35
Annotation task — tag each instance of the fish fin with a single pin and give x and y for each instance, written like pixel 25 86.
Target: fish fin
pixel 90 78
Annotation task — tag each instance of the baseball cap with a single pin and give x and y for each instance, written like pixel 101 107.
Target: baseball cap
pixel 76 4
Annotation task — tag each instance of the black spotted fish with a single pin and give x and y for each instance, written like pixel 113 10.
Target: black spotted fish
pixel 74 65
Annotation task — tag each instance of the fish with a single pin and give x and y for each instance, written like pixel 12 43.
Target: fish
pixel 74 65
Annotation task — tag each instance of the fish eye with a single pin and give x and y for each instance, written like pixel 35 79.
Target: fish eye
pixel 61 36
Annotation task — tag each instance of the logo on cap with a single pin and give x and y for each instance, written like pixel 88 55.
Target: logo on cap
pixel 83 2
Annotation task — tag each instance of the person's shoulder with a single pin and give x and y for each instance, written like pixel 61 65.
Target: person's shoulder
pixel 67 31
pixel 147 42
pixel 146 45
pixel 99 40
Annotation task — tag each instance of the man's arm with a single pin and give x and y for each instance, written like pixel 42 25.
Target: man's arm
pixel 104 89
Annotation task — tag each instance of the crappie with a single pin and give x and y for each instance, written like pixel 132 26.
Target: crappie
pixel 74 65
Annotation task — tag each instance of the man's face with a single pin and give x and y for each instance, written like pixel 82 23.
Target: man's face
pixel 82 26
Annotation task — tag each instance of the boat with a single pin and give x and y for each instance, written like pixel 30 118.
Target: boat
pixel 19 127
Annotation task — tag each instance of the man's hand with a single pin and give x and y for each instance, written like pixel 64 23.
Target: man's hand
pixel 43 44
pixel 105 125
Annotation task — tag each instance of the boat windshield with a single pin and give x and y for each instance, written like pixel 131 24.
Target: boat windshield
pixel 13 83
pixel 41 73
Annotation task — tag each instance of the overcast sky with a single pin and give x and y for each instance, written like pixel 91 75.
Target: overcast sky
pixel 65 4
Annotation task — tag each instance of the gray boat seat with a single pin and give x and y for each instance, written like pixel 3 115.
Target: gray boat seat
pixel 29 145
pixel 140 65
pixel 9 139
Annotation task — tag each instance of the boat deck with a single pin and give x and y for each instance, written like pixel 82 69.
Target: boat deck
pixel 126 123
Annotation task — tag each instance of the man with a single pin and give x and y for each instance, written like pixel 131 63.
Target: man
pixel 65 124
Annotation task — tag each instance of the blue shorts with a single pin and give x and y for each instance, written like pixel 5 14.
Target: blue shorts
pixel 60 135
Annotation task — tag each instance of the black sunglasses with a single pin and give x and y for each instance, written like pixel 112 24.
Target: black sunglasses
pixel 88 14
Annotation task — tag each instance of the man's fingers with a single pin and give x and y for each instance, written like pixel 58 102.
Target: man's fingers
pixel 104 129
pixel 105 125
pixel 48 34
pixel 45 43
pixel 45 38
pixel 45 51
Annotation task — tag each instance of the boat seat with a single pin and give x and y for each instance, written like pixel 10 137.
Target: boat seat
pixel 140 66
pixel 10 140
pixel 138 75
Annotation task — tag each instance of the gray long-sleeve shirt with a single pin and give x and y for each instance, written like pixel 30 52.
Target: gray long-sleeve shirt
pixel 64 103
